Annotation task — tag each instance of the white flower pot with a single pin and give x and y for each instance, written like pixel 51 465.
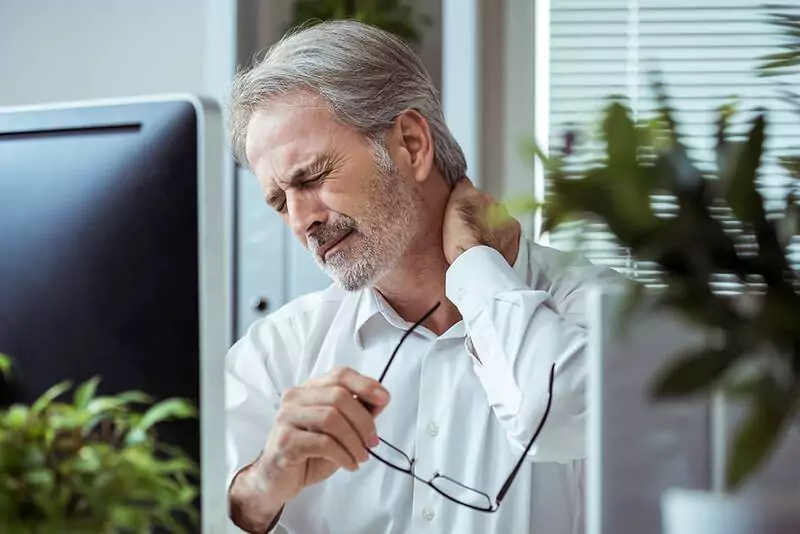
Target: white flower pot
pixel 704 512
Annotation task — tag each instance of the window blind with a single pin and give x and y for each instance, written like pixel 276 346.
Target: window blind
pixel 707 52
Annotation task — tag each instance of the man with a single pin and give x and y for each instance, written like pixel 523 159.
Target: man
pixel 344 130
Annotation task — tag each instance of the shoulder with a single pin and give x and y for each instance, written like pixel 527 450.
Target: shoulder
pixel 280 340
pixel 308 308
pixel 301 317
pixel 550 265
pixel 567 276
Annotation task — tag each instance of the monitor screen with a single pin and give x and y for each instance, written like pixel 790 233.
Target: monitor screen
pixel 99 275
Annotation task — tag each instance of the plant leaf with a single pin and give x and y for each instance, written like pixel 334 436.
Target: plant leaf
pixel 773 63
pixel 665 110
pixel 778 316
pixel 742 196
pixel 620 135
pixel 134 397
pixel 5 366
pixel 693 372
pixel 726 151
pixel 15 417
pixel 531 149
pixel 745 388
pixel 756 437
pixel 49 396
pixel 522 205
pixel 100 405
pixel 791 164
pixel 85 392
pixel 789 226
pixel 164 410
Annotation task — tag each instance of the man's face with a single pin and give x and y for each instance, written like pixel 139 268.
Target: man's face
pixel 356 213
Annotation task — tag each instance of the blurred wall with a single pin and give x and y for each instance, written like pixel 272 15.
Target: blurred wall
pixel 273 16
pixel 84 49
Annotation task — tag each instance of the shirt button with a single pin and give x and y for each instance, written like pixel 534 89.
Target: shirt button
pixel 427 513
pixel 433 429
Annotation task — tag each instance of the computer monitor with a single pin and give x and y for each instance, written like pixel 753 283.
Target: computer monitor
pixel 114 260
pixel 637 447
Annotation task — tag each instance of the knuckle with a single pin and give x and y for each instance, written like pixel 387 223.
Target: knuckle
pixel 330 417
pixel 324 441
pixel 340 395
pixel 284 439
pixel 283 415
pixel 340 373
pixel 290 395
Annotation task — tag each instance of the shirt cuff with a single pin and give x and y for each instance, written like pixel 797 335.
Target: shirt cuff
pixel 476 277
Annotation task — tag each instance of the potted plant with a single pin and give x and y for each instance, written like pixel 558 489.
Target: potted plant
pixel 394 16
pixel 757 360
pixel 93 464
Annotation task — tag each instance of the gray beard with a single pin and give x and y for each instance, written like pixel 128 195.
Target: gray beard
pixel 387 230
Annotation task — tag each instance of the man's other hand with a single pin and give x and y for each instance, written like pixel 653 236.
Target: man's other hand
pixel 322 426
pixel 474 218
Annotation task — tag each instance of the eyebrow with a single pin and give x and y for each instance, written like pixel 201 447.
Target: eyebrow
pixel 302 172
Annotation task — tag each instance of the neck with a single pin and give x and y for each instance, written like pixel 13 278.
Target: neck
pixel 417 284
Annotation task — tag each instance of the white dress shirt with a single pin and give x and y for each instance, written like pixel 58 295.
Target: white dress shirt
pixel 463 404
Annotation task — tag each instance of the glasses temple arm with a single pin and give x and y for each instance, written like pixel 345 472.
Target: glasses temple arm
pixel 405 335
pixel 502 493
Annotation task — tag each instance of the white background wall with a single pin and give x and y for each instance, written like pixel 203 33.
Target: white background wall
pixel 53 50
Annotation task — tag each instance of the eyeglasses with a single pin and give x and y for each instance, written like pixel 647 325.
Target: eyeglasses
pixel 444 485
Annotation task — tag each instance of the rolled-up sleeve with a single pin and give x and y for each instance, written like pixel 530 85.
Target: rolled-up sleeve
pixel 516 334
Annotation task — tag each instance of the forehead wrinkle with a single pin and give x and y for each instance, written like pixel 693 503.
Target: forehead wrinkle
pixel 331 138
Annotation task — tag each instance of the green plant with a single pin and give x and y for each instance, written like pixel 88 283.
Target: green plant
pixel 93 465
pixel 5 366
pixel 394 16
pixel 786 18
pixel 648 158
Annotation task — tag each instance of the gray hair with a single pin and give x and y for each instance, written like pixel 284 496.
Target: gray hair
pixel 365 75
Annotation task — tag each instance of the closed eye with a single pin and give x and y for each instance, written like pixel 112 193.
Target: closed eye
pixel 277 199
pixel 314 180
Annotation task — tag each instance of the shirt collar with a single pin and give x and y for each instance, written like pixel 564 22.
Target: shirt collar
pixel 371 303
pixel 366 308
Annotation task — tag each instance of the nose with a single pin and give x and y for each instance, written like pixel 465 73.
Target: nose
pixel 304 212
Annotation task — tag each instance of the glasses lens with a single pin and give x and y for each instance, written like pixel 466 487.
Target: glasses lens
pixel 461 493
pixel 391 456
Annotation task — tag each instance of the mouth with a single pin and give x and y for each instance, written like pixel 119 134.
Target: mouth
pixel 333 244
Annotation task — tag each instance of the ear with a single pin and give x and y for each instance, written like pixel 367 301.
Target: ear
pixel 414 136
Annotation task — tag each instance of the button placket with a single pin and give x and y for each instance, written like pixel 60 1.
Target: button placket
pixel 429 446
pixel 428 411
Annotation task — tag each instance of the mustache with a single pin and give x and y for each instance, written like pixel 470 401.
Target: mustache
pixel 331 231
